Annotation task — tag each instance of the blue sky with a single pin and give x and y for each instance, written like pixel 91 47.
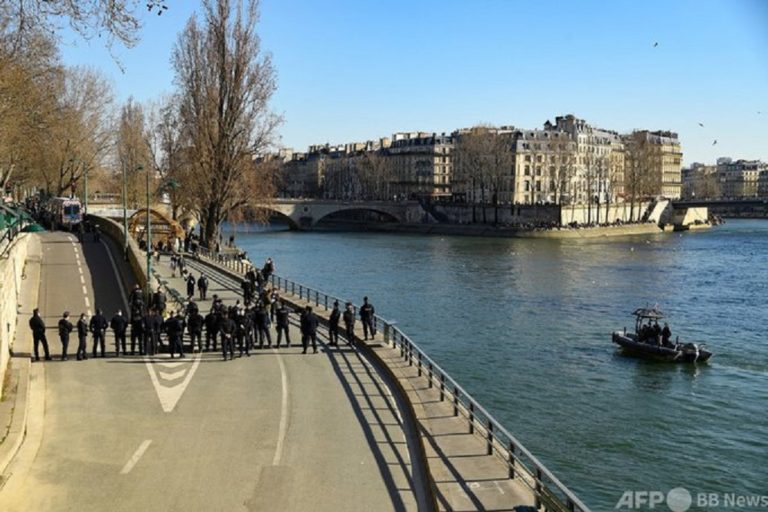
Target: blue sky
pixel 358 70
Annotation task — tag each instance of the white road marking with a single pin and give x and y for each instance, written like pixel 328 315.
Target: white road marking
pixel 80 269
pixel 173 375
pixel 85 290
pixel 82 280
pixel 136 456
pixel 87 302
pixel 171 364
pixel 282 430
pixel 169 395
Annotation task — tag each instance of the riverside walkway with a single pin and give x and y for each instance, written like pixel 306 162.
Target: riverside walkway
pixel 276 431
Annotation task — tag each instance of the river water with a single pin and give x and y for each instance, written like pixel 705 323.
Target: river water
pixel 524 326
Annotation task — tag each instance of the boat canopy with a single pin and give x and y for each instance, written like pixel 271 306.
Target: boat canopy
pixel 653 313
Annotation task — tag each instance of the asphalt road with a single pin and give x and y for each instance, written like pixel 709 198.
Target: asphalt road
pixel 276 431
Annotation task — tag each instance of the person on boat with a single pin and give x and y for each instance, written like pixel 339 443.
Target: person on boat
pixel 666 334
pixel 656 333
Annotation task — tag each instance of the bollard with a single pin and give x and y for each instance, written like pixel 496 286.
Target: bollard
pixel 455 400
pixel 490 437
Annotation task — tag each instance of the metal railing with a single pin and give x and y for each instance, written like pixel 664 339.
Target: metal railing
pixel 550 494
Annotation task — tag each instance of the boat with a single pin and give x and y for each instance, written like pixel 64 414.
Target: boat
pixel 651 347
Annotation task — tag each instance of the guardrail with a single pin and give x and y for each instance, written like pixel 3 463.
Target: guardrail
pixel 550 494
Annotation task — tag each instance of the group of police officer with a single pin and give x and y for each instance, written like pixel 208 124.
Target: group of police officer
pixel 246 325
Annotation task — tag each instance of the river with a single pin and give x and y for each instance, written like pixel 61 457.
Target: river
pixel 524 325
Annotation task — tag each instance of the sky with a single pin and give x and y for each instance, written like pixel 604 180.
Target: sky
pixel 360 70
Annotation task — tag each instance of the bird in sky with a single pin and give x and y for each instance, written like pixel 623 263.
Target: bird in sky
pixel 715 142
pixel 655 44
pixel 701 124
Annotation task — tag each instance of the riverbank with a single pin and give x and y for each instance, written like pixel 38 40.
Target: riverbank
pixel 475 230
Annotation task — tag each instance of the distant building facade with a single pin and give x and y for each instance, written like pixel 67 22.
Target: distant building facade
pixel 728 179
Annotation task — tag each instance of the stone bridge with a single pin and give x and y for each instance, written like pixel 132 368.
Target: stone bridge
pixel 304 214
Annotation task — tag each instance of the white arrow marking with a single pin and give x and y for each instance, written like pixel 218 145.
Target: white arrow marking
pixel 170 365
pixel 135 458
pixel 171 376
pixel 169 396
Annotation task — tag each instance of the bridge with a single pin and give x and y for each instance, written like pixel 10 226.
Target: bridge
pixel 304 214
pixel 756 207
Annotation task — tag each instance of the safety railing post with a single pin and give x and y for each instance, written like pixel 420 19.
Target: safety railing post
pixel 511 459
pixel 471 417
pixel 442 386
pixel 489 428
pixel 455 400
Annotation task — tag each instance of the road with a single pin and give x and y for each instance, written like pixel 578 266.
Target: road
pixel 276 431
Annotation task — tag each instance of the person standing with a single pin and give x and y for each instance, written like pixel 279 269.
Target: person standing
pixel 98 328
pixel 138 331
pixel 191 286
pixel 281 316
pixel 202 286
pixel 261 320
pixel 247 288
pixel 349 323
pixel 135 296
pixel 333 325
pixel 38 334
pixel 174 326
pixel 241 331
pixel 119 325
pixel 227 329
pixel 152 327
pixel 65 327
pixel 195 328
pixel 159 301
pixel 308 329
pixel 82 335
pixel 366 317
pixel 211 329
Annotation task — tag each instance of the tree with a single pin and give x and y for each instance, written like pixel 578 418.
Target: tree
pixel 483 157
pixel 225 82
pixel 133 151
pixel 375 174
pixel 112 20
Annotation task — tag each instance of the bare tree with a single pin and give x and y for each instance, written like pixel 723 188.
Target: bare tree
pixel 375 174
pixel 225 82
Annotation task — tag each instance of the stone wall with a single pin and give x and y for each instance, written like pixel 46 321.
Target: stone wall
pixel 512 215
pixel 621 211
pixel 11 281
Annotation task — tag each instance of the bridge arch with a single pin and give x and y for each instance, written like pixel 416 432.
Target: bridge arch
pixel 162 225
pixel 360 208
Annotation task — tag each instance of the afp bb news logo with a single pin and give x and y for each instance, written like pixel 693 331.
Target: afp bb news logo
pixel 680 499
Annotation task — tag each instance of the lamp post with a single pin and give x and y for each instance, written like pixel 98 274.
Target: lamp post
pixel 149 240
pixel 85 175
pixel 125 216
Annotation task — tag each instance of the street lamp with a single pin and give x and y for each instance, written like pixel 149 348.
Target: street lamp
pixel 148 232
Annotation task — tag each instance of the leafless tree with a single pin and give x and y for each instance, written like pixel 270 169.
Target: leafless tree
pixel 225 82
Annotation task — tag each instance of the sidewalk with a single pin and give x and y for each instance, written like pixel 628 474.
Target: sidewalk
pixel 14 409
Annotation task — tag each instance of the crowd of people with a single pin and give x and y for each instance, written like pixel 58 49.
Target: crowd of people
pixel 151 325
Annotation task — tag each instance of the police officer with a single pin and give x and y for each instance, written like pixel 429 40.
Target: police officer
pixel 174 326
pixel 281 316
pixel 211 329
pixel 261 321
pixel 241 332
pixel 190 285
pixel 227 329
pixel 195 328
pixel 333 325
pixel 154 328
pixel 366 317
pixel 202 286
pixel 38 334
pixel 349 323
pixel 309 324
pixel 138 331
pixel 65 327
pixel 82 335
pixel 159 301
pixel 247 288
pixel 119 325
pixel 98 326
pixel 135 296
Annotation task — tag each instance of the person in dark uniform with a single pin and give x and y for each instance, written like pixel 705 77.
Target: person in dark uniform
pixel 82 336
pixel 227 329
pixel 202 286
pixel 281 319
pixel 333 325
pixel 349 322
pixel 152 325
pixel 366 317
pixel 174 326
pixel 191 285
pixel 309 324
pixel 268 270
pixel 138 331
pixel 65 327
pixel 38 334
pixel 119 325
pixel 98 327
pixel 247 288
pixel 159 301
pixel 241 330
pixel 211 330
pixel 135 296
pixel 666 334
pixel 195 328
pixel 261 322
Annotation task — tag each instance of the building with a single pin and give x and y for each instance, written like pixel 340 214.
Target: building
pixel 653 164
pixel 740 179
pixel 421 164
pixel 700 181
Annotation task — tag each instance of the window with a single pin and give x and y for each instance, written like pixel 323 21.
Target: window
pixel 538 158
pixel 527 170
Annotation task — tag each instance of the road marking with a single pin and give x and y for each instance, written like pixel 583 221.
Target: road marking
pixel 169 395
pixel 82 280
pixel 171 364
pixel 173 375
pixel 282 430
pixel 136 456
pixel 87 302
pixel 80 269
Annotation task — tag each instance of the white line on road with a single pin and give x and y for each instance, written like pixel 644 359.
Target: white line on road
pixel 135 458
pixel 283 428
pixel 82 280
pixel 80 269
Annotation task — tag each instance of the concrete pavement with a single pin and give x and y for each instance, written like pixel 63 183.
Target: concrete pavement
pixel 276 431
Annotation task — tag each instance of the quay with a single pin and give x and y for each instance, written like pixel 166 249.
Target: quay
pixel 377 424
